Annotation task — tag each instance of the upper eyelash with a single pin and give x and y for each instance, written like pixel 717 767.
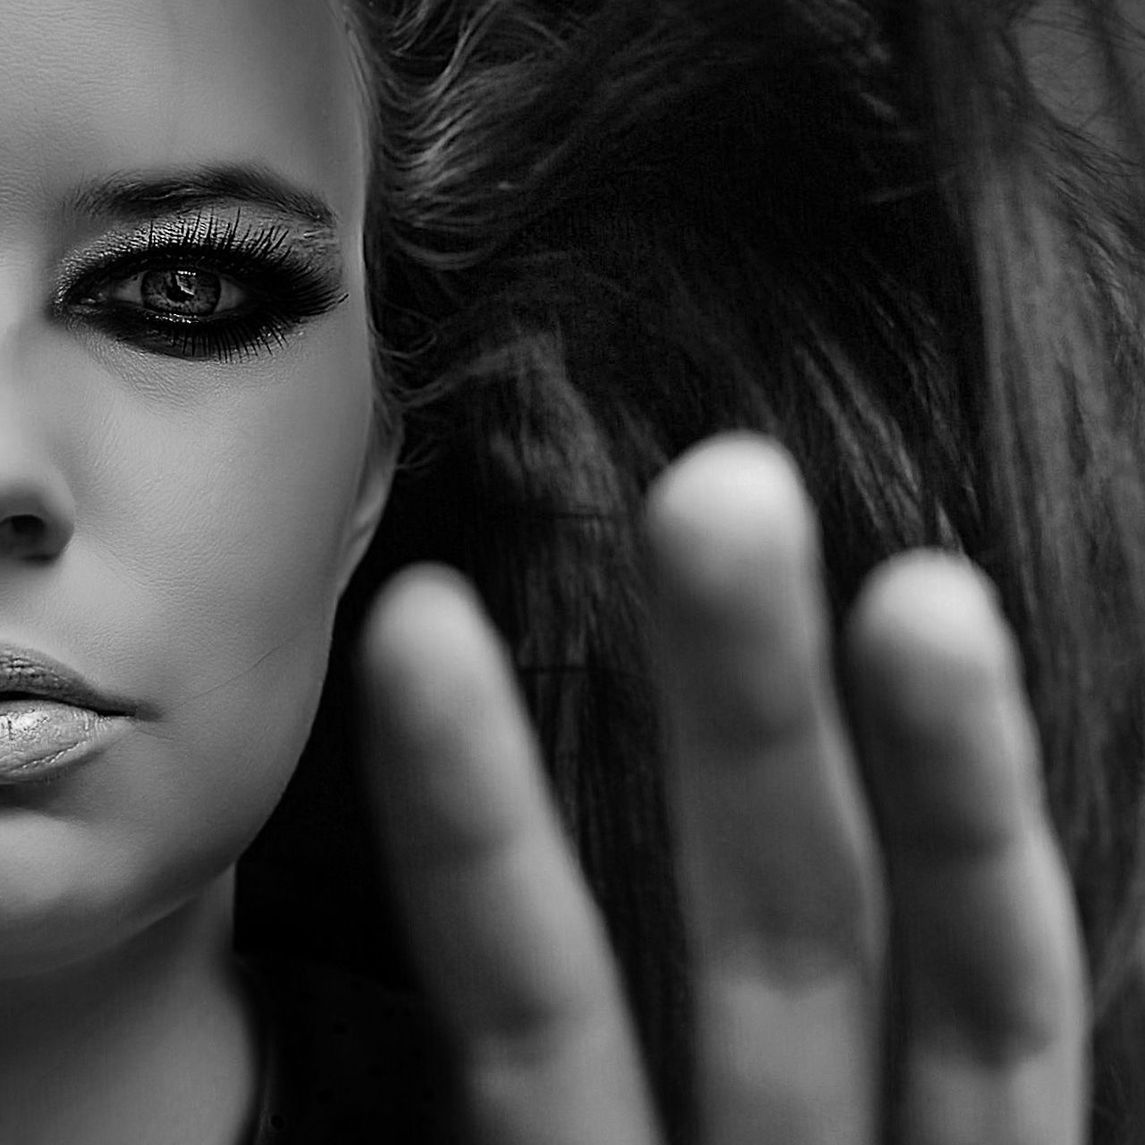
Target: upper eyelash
pixel 287 286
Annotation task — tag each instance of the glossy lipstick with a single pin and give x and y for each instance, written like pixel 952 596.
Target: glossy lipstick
pixel 51 719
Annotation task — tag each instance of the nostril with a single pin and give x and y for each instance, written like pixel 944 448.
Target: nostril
pixel 24 526
pixel 27 535
pixel 36 515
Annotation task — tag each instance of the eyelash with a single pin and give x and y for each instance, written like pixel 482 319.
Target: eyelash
pixel 283 289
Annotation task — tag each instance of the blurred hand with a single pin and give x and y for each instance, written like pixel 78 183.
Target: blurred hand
pixel 802 838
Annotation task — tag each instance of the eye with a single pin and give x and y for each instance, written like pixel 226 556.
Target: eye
pixel 182 292
pixel 203 291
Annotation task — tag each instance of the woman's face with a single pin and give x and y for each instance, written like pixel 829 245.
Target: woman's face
pixel 185 404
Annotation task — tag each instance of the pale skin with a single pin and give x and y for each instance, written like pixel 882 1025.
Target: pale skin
pixel 179 526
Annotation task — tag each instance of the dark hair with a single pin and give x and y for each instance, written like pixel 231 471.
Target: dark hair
pixel 880 232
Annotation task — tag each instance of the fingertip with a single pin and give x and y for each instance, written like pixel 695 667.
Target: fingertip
pixel 418 602
pixel 933 619
pixel 735 479
pixel 427 636
pixel 728 510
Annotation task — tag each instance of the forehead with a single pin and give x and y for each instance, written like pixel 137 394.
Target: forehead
pixel 87 86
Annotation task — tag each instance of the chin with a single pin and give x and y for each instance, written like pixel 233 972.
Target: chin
pixel 148 824
pixel 69 894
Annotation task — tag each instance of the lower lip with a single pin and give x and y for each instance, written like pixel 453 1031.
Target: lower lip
pixel 39 739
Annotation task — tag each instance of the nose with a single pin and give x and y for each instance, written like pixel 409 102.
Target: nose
pixel 37 510
pixel 37 516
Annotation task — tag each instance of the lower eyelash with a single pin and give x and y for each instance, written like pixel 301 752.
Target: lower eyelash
pixel 234 338
pixel 225 340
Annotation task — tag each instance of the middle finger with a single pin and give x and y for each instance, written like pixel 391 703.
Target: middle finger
pixel 780 874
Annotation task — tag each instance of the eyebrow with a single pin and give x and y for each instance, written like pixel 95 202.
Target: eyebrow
pixel 133 197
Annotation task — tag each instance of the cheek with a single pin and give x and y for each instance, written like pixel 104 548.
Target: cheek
pixel 237 511
pixel 263 514
pixel 243 503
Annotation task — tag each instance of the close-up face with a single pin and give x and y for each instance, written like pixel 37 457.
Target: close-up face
pixel 186 472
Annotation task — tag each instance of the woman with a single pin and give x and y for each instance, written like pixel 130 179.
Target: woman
pixel 193 458
pixel 188 396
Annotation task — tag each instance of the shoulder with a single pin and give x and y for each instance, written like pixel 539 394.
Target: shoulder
pixel 346 1061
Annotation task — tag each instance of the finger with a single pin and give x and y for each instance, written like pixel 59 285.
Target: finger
pixel 993 961
pixel 780 871
pixel 510 946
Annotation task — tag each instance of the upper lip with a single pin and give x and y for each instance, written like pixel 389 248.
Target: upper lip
pixel 31 674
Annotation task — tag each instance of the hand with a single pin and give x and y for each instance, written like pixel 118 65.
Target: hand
pixel 803 837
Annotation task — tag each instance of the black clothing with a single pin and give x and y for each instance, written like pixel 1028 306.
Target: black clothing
pixel 346 1062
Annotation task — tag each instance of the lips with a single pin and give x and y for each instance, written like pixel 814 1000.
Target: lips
pixel 51 718
pixel 28 675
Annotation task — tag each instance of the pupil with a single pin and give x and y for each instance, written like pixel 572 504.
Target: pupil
pixel 181 286
pixel 182 291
